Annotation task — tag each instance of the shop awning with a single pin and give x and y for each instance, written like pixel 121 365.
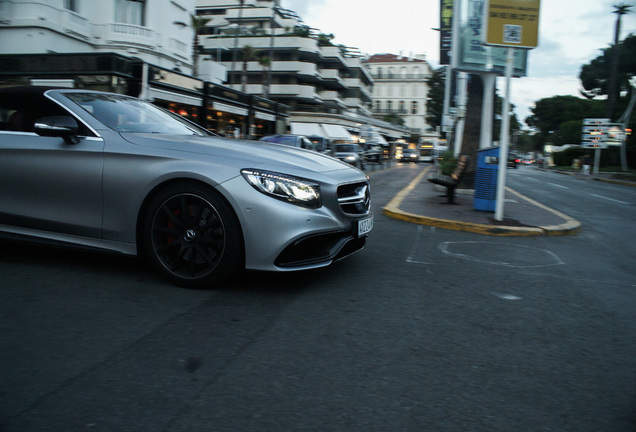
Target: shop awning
pixel 229 108
pixel 306 129
pixel 336 132
pixel 380 139
pixel 156 93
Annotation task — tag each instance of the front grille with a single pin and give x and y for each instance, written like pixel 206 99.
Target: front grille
pixel 355 198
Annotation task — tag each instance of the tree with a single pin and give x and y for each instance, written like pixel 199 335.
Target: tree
pixel 594 75
pixel 435 101
pixel 472 127
pixel 549 113
pixel 619 10
pixel 265 61
pixel 247 54
pixel 197 23
pixel 394 119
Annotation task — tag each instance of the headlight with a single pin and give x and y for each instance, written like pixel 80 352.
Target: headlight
pixel 286 188
pixel 350 158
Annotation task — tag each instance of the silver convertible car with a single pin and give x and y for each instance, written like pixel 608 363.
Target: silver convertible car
pixel 111 172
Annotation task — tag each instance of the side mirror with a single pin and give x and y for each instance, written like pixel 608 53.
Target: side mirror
pixel 58 126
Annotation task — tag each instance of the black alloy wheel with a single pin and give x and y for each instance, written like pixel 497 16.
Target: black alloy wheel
pixel 192 236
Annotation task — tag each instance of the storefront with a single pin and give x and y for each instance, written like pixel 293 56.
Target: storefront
pixel 219 109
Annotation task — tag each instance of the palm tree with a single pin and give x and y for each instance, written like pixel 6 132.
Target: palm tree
pixel 197 23
pixel 247 54
pixel 612 91
pixel 236 40
pixel 266 62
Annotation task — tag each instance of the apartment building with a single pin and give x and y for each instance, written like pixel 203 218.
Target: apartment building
pixel 157 35
pixel 136 47
pixel 325 85
pixel 401 89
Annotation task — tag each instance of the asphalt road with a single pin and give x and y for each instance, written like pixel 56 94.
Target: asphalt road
pixel 424 330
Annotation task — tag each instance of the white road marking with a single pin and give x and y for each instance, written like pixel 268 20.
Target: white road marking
pixel 559 186
pixel 610 199
pixel 506 296
pixel 409 259
pixel 444 247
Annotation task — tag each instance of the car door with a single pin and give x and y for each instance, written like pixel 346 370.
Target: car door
pixel 47 184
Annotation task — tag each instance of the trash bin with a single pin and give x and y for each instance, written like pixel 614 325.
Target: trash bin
pixel 486 174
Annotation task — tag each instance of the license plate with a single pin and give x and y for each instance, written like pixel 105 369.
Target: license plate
pixel 365 226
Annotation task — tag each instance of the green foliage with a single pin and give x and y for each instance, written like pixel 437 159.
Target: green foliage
pixel 302 31
pixel 569 132
pixel 447 163
pixel 394 119
pixel 549 113
pixel 565 157
pixel 594 76
pixel 435 102
pixel 325 39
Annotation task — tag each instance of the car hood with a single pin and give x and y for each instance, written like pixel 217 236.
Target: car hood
pixel 248 154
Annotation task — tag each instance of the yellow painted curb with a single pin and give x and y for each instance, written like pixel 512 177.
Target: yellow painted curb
pixel 392 209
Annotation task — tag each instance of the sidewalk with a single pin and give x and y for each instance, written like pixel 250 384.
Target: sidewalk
pixel 423 202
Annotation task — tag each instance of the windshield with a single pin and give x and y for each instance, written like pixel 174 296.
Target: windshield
pixel 346 148
pixel 126 114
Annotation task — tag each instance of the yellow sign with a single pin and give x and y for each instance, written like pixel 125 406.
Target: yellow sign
pixel 512 23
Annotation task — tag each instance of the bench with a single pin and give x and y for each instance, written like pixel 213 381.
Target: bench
pixel 451 181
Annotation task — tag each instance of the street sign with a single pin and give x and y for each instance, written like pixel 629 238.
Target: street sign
pixel 512 23
pixel 595 133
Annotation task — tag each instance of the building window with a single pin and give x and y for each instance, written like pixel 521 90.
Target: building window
pixel 71 5
pixel 379 72
pixel 402 107
pixel 130 12
pixel 389 106
pixel 414 107
pixel 390 73
pixel 378 106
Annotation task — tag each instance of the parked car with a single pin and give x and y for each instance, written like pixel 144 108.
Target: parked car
pixel 351 154
pixel 322 144
pixel 513 160
pixel 409 155
pixel 374 153
pixel 113 173
pixel 291 140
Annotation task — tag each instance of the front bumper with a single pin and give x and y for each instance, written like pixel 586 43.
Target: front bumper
pixel 319 250
pixel 279 236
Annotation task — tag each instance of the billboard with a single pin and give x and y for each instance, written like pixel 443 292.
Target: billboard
pixel 512 23
pixel 474 55
pixel 445 30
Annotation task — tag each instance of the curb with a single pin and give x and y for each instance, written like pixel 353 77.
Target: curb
pixel 392 209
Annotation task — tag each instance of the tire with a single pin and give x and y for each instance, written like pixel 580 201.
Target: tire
pixel 192 236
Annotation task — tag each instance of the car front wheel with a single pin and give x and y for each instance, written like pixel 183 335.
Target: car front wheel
pixel 192 236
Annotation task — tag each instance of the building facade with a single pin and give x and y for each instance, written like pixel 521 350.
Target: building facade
pixel 157 35
pixel 133 47
pixel 269 51
pixel 401 89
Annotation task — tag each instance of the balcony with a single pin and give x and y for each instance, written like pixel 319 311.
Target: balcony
pixel 128 34
pixel 331 96
pixel 293 91
pixel 400 77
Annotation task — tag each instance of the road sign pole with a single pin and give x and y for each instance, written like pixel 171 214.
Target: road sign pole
pixel 597 160
pixel 503 149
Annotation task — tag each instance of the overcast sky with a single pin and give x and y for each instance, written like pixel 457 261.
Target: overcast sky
pixel 571 34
